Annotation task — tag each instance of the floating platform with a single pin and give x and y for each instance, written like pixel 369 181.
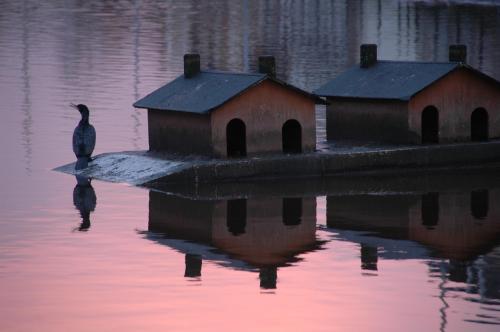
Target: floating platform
pixel 152 169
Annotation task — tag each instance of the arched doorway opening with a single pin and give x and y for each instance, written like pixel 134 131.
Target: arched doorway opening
pixel 430 125
pixel 236 138
pixel 479 125
pixel 291 136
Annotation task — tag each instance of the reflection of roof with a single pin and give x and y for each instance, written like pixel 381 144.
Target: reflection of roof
pixel 224 258
pixel 387 248
pixel 205 91
pixel 397 80
pixel 206 251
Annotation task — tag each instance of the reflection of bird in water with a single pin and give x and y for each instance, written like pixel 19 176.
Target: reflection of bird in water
pixel 83 138
pixel 85 200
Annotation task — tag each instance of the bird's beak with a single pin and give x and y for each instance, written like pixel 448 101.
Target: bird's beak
pixel 73 105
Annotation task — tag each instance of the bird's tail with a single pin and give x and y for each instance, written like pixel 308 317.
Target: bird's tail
pixel 81 163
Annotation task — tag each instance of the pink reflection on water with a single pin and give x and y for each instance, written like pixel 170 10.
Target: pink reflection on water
pixel 112 278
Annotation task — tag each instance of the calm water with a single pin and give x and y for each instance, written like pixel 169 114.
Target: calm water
pixel 349 254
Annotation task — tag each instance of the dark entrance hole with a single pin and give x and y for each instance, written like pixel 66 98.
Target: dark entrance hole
pixel 479 125
pixel 292 211
pixel 236 138
pixel 430 210
pixel 236 216
pixel 430 125
pixel 479 203
pixel 291 136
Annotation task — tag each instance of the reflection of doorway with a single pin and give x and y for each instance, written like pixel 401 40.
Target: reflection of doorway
pixel 291 136
pixel 236 216
pixel 236 138
pixel 292 211
pixel 479 203
pixel 430 210
pixel 430 125
pixel 479 125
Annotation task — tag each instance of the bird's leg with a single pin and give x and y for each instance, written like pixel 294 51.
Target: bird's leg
pixel 81 163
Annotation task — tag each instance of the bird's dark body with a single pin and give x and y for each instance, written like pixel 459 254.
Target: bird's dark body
pixel 84 138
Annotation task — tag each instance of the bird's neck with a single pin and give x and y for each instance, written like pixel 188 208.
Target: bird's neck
pixel 84 121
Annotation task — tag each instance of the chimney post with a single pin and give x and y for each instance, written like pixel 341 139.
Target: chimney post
pixel 267 65
pixel 457 53
pixel 191 65
pixel 368 55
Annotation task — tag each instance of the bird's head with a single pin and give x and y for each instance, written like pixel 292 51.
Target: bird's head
pixel 83 109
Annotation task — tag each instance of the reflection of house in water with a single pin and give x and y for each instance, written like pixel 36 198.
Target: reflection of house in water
pixel 461 227
pixel 263 232
pixel 456 225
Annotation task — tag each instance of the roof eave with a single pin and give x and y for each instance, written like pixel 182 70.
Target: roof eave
pixel 317 99
pixel 359 98
pixel 480 73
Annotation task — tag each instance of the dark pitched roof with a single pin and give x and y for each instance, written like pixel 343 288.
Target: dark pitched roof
pixel 396 80
pixel 205 91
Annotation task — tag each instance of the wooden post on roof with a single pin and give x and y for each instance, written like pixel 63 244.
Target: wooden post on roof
pixel 368 55
pixel 191 65
pixel 267 65
pixel 458 53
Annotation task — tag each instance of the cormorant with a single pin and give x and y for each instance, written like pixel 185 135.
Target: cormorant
pixel 83 138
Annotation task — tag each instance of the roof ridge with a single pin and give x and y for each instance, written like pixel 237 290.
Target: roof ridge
pixel 388 80
pixel 221 72
pixel 422 62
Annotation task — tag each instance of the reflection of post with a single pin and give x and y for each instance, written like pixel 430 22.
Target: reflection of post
pixel 85 200
pixel 268 276
pixel 369 257
pixel 26 106
pixel 136 114
pixel 245 35
pixel 193 266
pixel 442 298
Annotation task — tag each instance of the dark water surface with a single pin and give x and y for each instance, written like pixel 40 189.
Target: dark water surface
pixel 391 254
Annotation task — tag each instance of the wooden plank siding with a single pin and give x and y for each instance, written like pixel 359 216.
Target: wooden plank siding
pixel 456 96
pixel 264 109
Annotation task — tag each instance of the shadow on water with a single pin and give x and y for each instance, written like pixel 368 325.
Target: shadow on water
pixel 85 200
pixel 449 220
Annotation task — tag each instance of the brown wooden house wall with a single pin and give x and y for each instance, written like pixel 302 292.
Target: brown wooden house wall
pixel 456 96
pixel 179 132
pixel 264 109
